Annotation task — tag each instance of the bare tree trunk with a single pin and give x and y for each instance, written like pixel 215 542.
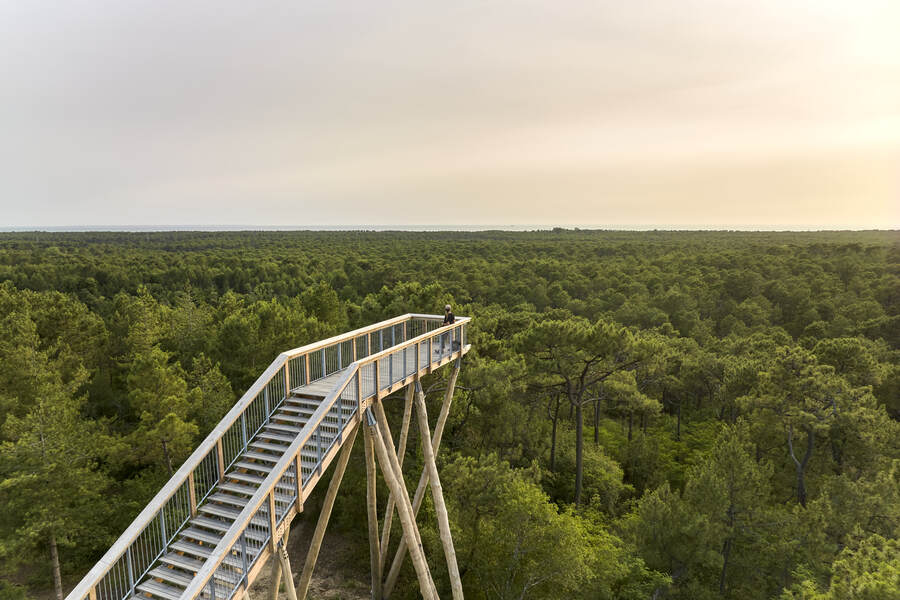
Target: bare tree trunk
pixel 801 464
pixel 54 559
pixel 597 421
pixel 726 552
pixel 553 437
pixel 579 451
pixel 630 424
pixel 168 458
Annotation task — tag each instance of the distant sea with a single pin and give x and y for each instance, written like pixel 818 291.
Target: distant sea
pixel 535 227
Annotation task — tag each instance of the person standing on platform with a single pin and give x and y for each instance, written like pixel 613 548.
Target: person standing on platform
pixel 449 319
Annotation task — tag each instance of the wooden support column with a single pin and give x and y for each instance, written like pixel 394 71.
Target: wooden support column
pixel 319 534
pixel 220 455
pixel 286 569
pixel 404 434
pixel 375 563
pixel 276 565
pixel 437 494
pixel 404 511
pixel 192 494
pixel 423 481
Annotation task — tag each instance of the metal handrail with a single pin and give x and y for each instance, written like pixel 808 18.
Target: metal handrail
pixel 266 491
pixel 155 527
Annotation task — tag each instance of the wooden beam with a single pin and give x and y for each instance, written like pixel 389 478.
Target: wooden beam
pixel 275 582
pixel 400 554
pixel 375 564
pixel 286 569
pixel 192 494
pixel 404 511
pixel 437 494
pixel 401 452
pixel 325 515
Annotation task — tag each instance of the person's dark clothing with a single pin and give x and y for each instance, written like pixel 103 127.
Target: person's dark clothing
pixel 449 319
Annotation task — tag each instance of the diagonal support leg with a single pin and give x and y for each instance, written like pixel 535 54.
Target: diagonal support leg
pixel 404 510
pixel 276 565
pixel 391 580
pixel 372 509
pixel 401 452
pixel 322 524
pixel 286 568
pixel 437 494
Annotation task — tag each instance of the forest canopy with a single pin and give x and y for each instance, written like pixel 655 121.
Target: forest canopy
pixel 672 415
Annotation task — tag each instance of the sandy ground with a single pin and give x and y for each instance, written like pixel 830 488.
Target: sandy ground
pixel 334 577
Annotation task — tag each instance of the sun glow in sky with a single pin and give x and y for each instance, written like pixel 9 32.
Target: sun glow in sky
pixel 693 114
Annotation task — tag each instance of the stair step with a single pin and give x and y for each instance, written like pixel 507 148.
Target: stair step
pixel 220 511
pixel 284 428
pixel 174 576
pixel 216 524
pixel 289 408
pixel 161 589
pixel 182 562
pixel 291 418
pixel 274 435
pixel 238 488
pixel 261 456
pixel 231 499
pixel 255 479
pixel 262 468
pixel 201 535
pixel 267 446
pixel 203 552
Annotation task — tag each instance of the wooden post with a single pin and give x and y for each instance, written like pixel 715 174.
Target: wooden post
pixel 423 481
pixel 298 505
pixel 192 494
pixel 437 494
pixel 375 562
pixel 286 569
pixel 324 515
pixel 276 565
pixel 220 454
pixel 404 511
pixel 404 434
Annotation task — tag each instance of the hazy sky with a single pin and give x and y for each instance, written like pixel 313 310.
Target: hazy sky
pixel 696 113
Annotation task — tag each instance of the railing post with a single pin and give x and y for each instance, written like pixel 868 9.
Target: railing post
pixel 192 494
pixel 162 525
pixel 377 380
pixel 353 349
pixel 306 360
pixel 380 340
pixel 131 570
pixel 220 455
pixel 318 451
pixel 324 368
pixel 244 430
pixel 340 357
pixel 340 407
pixel 358 396
pixel 298 506
pixel 418 360
pixel 92 593
pixel 287 378
pixel 266 402
pixel 272 517
pixel 244 560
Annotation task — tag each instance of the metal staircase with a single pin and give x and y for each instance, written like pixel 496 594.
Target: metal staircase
pixel 210 530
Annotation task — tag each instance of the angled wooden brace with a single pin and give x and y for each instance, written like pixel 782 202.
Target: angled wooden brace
pixel 437 494
pixel 401 452
pixel 372 509
pixel 391 580
pixel 394 479
pixel 276 565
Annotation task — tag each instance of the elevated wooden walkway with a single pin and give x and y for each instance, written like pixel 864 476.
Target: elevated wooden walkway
pixel 211 529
